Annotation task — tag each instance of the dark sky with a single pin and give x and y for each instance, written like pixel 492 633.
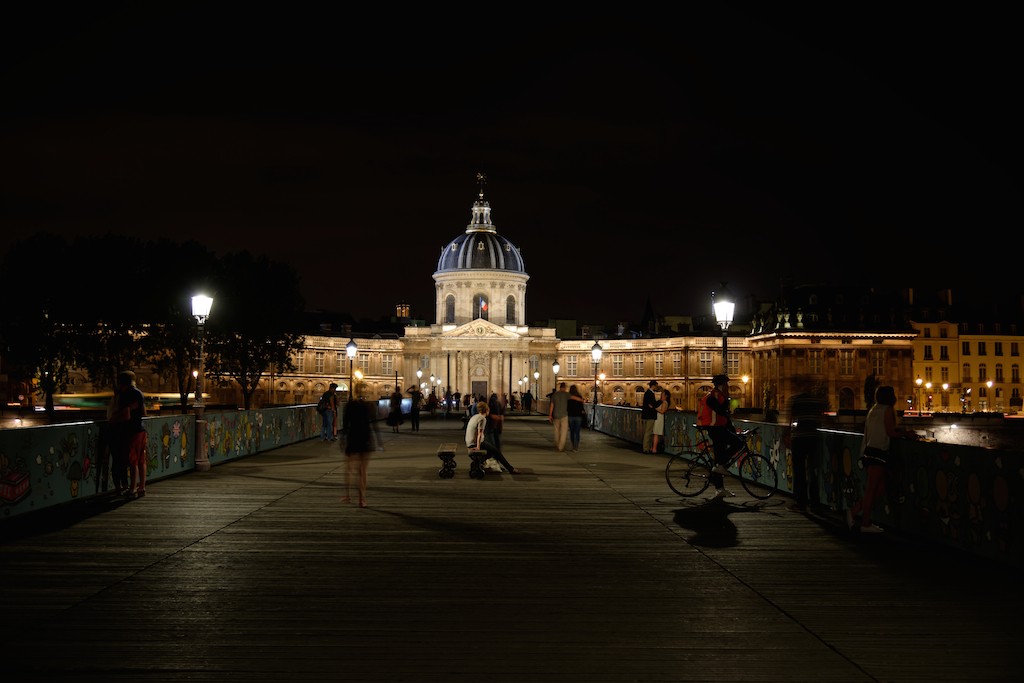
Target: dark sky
pixel 628 156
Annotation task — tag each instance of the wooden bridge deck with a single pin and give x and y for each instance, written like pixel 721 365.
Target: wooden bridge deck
pixel 583 568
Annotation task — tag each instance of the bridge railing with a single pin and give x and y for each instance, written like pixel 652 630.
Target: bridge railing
pixel 962 496
pixel 50 465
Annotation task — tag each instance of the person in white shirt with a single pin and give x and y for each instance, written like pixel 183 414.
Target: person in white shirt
pixel 475 437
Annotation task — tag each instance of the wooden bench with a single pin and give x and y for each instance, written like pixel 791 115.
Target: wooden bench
pixel 446 452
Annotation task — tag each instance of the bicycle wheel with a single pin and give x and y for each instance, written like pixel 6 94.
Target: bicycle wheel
pixel 688 473
pixel 758 476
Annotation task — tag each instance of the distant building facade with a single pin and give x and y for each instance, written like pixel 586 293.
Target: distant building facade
pixel 842 340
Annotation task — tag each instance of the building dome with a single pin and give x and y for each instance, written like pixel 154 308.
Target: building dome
pixel 480 247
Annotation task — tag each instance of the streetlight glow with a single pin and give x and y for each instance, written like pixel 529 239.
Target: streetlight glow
pixel 351 349
pixel 724 308
pixel 201 305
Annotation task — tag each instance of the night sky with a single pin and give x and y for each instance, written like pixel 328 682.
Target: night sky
pixel 629 157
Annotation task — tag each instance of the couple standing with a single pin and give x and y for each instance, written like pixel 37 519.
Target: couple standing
pixel 656 403
pixel 566 416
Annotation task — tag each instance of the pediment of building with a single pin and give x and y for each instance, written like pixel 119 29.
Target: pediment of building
pixel 480 329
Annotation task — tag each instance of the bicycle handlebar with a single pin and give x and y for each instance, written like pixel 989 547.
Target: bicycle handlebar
pixel 744 432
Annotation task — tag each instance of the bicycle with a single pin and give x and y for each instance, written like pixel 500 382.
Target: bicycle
pixel 689 473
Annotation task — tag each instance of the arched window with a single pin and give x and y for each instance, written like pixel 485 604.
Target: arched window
pixel 480 307
pixel 846 399
pixel 510 311
pixel 449 308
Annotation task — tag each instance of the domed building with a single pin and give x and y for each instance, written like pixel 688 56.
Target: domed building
pixel 480 274
pixel 480 343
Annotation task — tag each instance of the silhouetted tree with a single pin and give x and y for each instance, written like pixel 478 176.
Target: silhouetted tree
pixel 38 341
pixel 253 326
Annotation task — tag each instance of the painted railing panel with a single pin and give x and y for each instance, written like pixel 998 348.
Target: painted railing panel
pixel 50 465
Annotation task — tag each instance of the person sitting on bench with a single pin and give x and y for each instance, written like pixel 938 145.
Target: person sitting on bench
pixel 475 437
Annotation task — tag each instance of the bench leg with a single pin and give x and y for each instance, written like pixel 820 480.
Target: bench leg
pixel 476 465
pixel 447 470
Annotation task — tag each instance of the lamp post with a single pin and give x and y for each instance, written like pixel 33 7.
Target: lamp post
pixel 350 350
pixel 919 382
pixel 201 305
pixel 988 398
pixel 595 352
pixel 536 384
pixel 724 308
pixel 945 396
pixel 928 388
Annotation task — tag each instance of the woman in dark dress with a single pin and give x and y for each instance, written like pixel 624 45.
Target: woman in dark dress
pixel 395 412
pixel 360 441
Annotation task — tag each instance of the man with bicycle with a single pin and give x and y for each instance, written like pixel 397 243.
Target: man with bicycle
pixel 714 412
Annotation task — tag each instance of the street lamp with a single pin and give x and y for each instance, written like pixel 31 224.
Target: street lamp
pixel 919 382
pixel 351 349
pixel 945 396
pixel 595 352
pixel 724 308
pixel 536 383
pixel 201 305
pixel 928 388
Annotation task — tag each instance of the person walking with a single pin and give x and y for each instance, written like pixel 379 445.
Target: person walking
pixel 395 410
pixel 714 413
pixel 495 419
pixel 360 441
pixel 432 403
pixel 130 409
pixel 558 416
pixel 327 406
pixel 476 430
pixel 649 414
pixel 805 415
pixel 527 401
pixel 879 430
pixel 664 402
pixel 574 409
pixel 416 399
